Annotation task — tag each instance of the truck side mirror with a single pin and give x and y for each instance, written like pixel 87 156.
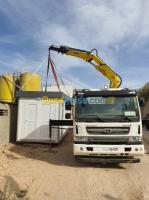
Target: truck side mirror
pixel 141 101
pixel 68 105
pixel 68 116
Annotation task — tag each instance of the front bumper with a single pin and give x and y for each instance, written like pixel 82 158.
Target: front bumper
pixel 107 150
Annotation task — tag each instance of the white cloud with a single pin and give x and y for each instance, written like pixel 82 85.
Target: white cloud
pixel 107 26
pixel 135 77
pixel 91 23
pixel 17 62
pixel 75 82
pixel 109 22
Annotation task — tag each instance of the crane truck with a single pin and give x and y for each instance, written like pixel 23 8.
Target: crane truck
pixel 107 125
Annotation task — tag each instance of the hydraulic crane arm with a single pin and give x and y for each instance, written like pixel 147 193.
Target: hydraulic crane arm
pixel 88 56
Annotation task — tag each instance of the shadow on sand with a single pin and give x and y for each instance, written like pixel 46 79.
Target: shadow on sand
pixel 61 154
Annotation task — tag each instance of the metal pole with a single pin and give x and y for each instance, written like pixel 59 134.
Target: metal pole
pixel 50 135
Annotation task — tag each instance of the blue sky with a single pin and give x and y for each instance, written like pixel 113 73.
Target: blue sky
pixel 118 29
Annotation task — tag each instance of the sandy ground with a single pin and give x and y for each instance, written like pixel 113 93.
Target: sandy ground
pixel 39 174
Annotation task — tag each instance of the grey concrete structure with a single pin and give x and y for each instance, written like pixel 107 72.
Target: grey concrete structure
pixel 8 123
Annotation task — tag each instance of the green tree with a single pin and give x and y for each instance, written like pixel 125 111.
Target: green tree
pixel 144 91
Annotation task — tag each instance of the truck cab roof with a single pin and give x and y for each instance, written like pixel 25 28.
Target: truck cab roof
pixel 105 93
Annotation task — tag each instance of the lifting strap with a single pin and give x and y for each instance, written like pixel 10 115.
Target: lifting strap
pixel 50 63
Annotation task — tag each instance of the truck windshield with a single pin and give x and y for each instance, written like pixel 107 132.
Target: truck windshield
pixel 107 109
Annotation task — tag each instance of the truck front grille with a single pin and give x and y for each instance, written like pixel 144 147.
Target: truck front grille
pixel 113 140
pixel 108 130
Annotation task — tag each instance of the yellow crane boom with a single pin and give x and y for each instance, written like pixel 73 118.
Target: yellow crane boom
pixel 94 59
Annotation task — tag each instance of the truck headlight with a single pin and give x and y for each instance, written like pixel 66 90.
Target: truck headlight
pixel 135 139
pixel 80 138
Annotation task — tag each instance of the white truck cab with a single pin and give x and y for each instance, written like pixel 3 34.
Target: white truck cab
pixel 107 124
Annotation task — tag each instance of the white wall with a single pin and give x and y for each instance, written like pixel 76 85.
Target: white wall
pixel 33 120
pixel 67 89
